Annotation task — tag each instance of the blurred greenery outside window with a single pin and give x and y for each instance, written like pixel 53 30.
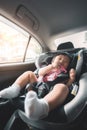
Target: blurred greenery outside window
pixel 16 45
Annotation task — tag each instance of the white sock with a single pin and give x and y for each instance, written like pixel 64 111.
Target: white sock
pixel 10 92
pixel 35 108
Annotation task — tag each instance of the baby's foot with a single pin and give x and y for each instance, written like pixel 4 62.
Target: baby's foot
pixel 35 108
pixel 10 92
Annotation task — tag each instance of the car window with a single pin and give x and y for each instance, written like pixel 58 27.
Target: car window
pixel 16 45
pixel 34 49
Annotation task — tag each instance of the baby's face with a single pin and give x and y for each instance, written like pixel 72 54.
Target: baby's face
pixel 61 60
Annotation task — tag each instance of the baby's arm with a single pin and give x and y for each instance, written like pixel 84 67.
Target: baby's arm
pixel 45 70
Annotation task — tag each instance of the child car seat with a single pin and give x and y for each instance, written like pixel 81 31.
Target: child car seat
pixel 69 111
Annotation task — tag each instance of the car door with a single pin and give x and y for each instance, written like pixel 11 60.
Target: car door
pixel 9 73
pixel 18 52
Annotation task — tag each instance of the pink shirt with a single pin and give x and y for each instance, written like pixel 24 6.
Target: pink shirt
pixel 53 74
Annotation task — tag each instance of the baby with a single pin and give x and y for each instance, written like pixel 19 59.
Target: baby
pixel 36 108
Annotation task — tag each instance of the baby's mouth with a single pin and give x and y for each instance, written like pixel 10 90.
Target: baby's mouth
pixel 60 66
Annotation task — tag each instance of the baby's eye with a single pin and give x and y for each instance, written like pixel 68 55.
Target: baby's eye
pixel 60 58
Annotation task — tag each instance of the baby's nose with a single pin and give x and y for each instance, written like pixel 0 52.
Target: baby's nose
pixel 61 61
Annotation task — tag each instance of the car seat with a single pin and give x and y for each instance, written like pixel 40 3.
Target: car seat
pixel 69 113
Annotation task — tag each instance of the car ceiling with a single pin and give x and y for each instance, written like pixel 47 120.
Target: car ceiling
pixel 52 18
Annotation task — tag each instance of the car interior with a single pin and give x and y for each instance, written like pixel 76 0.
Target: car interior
pixel 32 33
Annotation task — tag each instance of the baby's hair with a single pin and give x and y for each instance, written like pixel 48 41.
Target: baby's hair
pixel 65 54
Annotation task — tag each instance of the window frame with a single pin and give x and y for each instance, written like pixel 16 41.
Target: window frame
pixel 12 24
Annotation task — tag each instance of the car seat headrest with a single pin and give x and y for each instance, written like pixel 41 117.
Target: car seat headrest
pixel 65 45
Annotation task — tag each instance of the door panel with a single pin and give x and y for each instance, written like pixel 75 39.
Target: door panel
pixel 9 73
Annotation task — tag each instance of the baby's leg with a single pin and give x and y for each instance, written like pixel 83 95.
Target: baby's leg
pixel 14 90
pixel 57 96
pixel 38 108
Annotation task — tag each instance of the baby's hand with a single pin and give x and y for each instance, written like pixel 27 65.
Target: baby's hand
pixel 40 79
pixel 72 75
